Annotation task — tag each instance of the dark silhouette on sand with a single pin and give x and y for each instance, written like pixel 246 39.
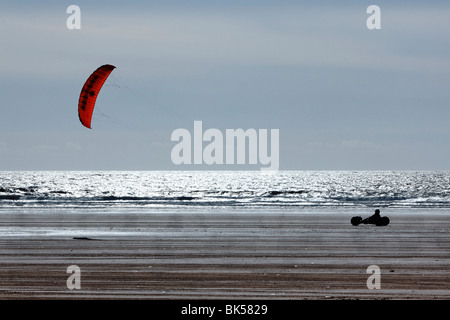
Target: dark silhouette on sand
pixel 375 219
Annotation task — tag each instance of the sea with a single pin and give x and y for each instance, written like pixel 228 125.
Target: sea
pixel 205 191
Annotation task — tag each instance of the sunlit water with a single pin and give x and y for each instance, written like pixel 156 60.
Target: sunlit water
pixel 206 190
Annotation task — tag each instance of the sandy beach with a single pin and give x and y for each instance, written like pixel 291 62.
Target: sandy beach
pixel 222 256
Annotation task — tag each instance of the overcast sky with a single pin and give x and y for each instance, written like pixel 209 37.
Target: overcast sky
pixel 343 97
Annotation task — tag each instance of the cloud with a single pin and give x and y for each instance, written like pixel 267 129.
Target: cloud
pixel 360 144
pixel 294 35
pixel 73 146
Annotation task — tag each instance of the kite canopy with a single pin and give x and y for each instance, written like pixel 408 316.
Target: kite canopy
pixel 89 93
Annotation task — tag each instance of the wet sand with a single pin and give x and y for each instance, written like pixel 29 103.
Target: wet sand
pixel 222 256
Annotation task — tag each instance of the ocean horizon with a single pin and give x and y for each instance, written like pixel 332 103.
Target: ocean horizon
pixel 242 190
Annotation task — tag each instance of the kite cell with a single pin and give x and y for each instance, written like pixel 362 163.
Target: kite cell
pixel 89 93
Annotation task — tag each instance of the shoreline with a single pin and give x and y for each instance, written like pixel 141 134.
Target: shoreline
pixel 222 256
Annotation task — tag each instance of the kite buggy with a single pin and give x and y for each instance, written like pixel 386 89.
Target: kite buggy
pixel 375 219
